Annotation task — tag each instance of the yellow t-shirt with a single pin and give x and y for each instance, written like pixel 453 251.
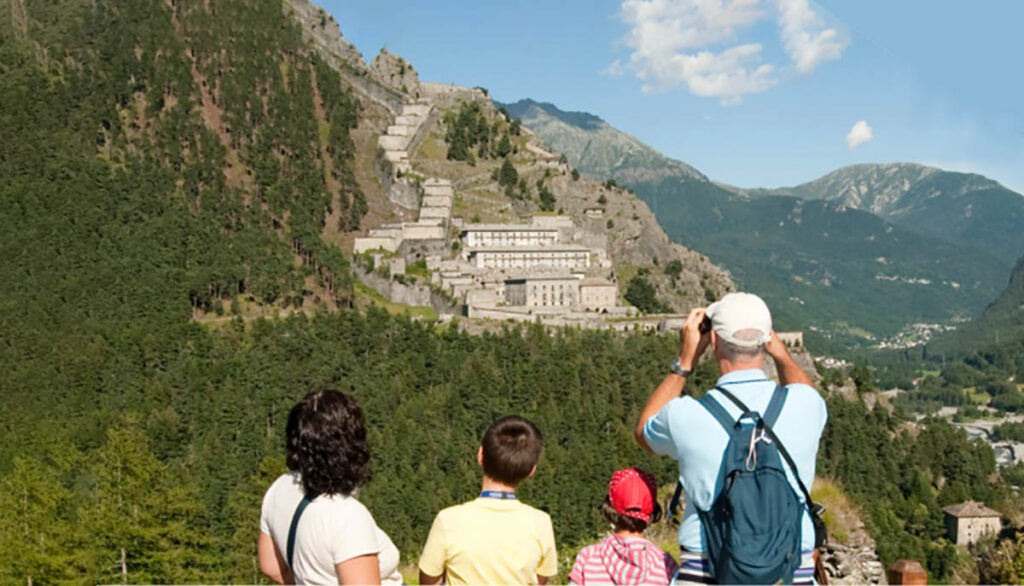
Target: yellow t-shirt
pixel 490 541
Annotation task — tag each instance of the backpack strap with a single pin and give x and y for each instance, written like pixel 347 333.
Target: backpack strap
pixel 774 408
pixel 725 420
pixel 718 412
pixel 295 523
pixel 673 505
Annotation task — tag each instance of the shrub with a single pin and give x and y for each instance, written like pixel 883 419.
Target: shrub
pixel 507 175
pixel 640 293
pixel 547 199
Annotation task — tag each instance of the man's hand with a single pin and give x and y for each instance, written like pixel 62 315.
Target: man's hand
pixel 692 343
pixel 789 372
pixel 775 347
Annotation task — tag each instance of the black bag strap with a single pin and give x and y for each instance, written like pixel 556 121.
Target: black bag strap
pixel 673 505
pixel 295 523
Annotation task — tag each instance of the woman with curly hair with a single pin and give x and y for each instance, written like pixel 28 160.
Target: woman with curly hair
pixel 312 528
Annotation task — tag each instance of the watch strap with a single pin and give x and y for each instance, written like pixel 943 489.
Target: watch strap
pixel 678 368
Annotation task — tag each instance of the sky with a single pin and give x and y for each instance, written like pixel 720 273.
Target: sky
pixel 754 93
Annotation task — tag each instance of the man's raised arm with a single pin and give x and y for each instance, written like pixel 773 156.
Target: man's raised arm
pixel 691 345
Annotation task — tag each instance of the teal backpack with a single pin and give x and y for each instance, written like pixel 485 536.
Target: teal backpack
pixel 752 531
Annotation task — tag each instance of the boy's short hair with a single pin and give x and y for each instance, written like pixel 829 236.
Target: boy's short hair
pixel 625 521
pixel 511 448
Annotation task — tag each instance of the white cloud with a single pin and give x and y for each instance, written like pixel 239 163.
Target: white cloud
pixel 696 43
pixel 860 133
pixel 615 68
pixel 804 45
pixel 666 35
pixel 726 75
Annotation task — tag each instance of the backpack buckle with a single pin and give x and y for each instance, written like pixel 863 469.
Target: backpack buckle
pixel 757 434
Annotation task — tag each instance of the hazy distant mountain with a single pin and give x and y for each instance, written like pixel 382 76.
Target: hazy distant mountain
pixel 957 207
pixel 846 267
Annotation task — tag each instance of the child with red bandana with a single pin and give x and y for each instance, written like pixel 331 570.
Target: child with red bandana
pixel 625 556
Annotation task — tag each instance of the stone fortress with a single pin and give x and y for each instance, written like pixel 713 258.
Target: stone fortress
pixel 528 271
pixel 518 270
pixel 540 268
pixel 404 183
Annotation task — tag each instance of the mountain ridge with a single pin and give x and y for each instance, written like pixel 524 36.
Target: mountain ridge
pixel 625 159
pixel 948 205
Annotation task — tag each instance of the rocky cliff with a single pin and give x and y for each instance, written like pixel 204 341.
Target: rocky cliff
pixel 321 31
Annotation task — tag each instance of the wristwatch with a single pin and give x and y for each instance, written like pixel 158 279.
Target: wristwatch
pixel 678 368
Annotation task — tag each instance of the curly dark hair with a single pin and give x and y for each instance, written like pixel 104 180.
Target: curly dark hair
pixel 625 521
pixel 326 443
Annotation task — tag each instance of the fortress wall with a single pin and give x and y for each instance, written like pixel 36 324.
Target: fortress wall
pixel 405 193
pixel 373 243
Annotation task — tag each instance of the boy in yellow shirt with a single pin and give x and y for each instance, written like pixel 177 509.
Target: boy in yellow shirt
pixel 495 539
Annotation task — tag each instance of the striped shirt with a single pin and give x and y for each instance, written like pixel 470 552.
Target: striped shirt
pixel 622 560
pixel 693 569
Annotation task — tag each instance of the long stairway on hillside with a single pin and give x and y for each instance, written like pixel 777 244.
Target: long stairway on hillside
pixel 433 196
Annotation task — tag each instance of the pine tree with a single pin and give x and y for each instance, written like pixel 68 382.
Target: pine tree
pixel 507 175
pixel 504 146
pixel 245 503
pixel 137 521
pixel 36 541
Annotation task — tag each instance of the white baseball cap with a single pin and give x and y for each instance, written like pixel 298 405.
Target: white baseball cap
pixel 741 312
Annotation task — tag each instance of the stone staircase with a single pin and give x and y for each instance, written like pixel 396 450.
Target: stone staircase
pixel 433 197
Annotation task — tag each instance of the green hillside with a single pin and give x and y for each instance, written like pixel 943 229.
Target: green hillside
pixel 1001 325
pixel 846 275
pixel 826 265
pixel 161 163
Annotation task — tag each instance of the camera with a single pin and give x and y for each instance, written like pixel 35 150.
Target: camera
pixel 705 325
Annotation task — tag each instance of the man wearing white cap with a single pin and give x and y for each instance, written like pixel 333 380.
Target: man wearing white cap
pixel 740 334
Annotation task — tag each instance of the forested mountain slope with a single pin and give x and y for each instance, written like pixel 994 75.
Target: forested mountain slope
pixel 847 275
pixel 159 161
pixel 955 207
pixel 1000 328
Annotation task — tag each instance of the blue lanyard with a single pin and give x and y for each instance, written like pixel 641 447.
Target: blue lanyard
pixel 498 494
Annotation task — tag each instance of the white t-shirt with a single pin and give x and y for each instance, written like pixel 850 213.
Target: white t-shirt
pixel 332 529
